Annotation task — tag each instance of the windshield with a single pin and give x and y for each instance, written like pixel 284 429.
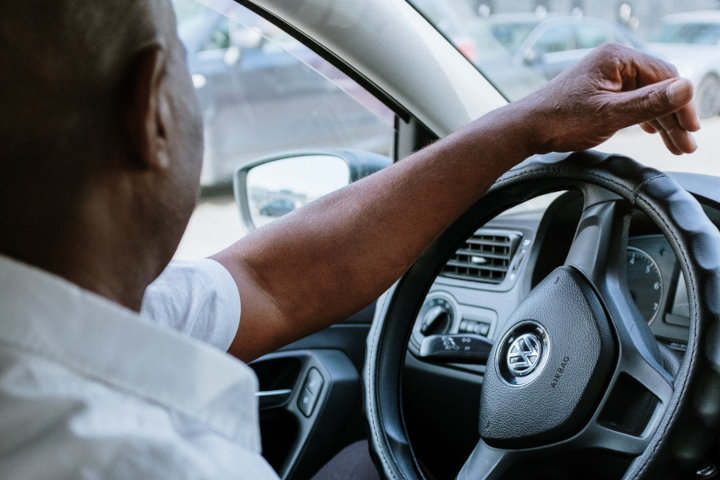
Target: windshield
pixel 535 40
pixel 512 33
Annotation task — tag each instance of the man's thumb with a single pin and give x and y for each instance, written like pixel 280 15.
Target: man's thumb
pixel 655 100
pixel 679 92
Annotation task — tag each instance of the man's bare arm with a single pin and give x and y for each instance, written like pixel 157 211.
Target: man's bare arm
pixel 327 260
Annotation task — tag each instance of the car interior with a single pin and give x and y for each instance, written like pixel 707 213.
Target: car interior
pixel 415 372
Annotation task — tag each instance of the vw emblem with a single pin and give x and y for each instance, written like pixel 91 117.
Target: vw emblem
pixel 524 354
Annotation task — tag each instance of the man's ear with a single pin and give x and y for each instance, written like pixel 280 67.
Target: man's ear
pixel 147 111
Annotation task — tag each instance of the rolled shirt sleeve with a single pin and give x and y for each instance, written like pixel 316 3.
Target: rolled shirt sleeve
pixel 197 298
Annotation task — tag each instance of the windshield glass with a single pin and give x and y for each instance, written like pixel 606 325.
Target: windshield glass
pixel 535 40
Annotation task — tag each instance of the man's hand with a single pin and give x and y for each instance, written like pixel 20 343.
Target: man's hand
pixel 613 87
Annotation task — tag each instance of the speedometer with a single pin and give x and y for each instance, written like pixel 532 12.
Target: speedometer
pixel 644 282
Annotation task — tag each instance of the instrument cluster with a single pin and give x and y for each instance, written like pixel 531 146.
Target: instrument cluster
pixel 657 287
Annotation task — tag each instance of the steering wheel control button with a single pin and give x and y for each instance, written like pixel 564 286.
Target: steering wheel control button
pixel 456 349
pixel 524 354
pixel 310 392
pixel 546 376
pixel 475 327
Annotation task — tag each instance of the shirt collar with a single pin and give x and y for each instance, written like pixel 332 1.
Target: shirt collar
pixel 103 341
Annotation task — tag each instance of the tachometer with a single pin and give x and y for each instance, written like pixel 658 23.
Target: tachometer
pixel 645 282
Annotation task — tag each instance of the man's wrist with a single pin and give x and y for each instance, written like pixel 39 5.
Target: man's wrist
pixel 521 125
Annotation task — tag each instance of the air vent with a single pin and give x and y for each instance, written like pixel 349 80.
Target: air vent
pixel 484 257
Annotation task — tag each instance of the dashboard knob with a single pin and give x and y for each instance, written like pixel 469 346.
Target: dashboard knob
pixel 434 320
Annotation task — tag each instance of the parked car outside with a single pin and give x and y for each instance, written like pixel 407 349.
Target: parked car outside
pixel 259 96
pixel 470 34
pixel 691 41
pixel 551 44
pixel 277 207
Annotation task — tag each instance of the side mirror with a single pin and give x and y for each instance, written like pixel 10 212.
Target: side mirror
pixel 269 188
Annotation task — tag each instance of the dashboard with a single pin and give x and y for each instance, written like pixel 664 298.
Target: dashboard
pixel 496 267
pixel 487 277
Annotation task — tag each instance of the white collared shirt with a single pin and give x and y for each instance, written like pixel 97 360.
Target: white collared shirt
pixel 89 389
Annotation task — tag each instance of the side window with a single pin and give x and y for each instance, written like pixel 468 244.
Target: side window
pixel 219 38
pixel 556 39
pixel 261 92
pixel 591 36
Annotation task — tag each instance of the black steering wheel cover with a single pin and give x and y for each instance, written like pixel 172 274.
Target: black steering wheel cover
pixel 690 423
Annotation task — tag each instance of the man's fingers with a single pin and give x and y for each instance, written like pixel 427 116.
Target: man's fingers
pixel 676 139
pixel 648 127
pixel 679 91
pixel 687 118
pixel 658 100
pixel 652 101
pixel 669 143
pixel 664 107
pixel 680 137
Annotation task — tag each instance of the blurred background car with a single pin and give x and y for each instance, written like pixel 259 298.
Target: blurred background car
pixel 260 92
pixel 277 207
pixel 691 41
pixel 470 34
pixel 550 44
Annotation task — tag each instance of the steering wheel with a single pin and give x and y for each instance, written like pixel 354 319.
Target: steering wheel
pixel 597 379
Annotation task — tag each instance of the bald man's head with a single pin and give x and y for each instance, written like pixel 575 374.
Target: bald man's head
pixel 100 135
pixel 63 64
